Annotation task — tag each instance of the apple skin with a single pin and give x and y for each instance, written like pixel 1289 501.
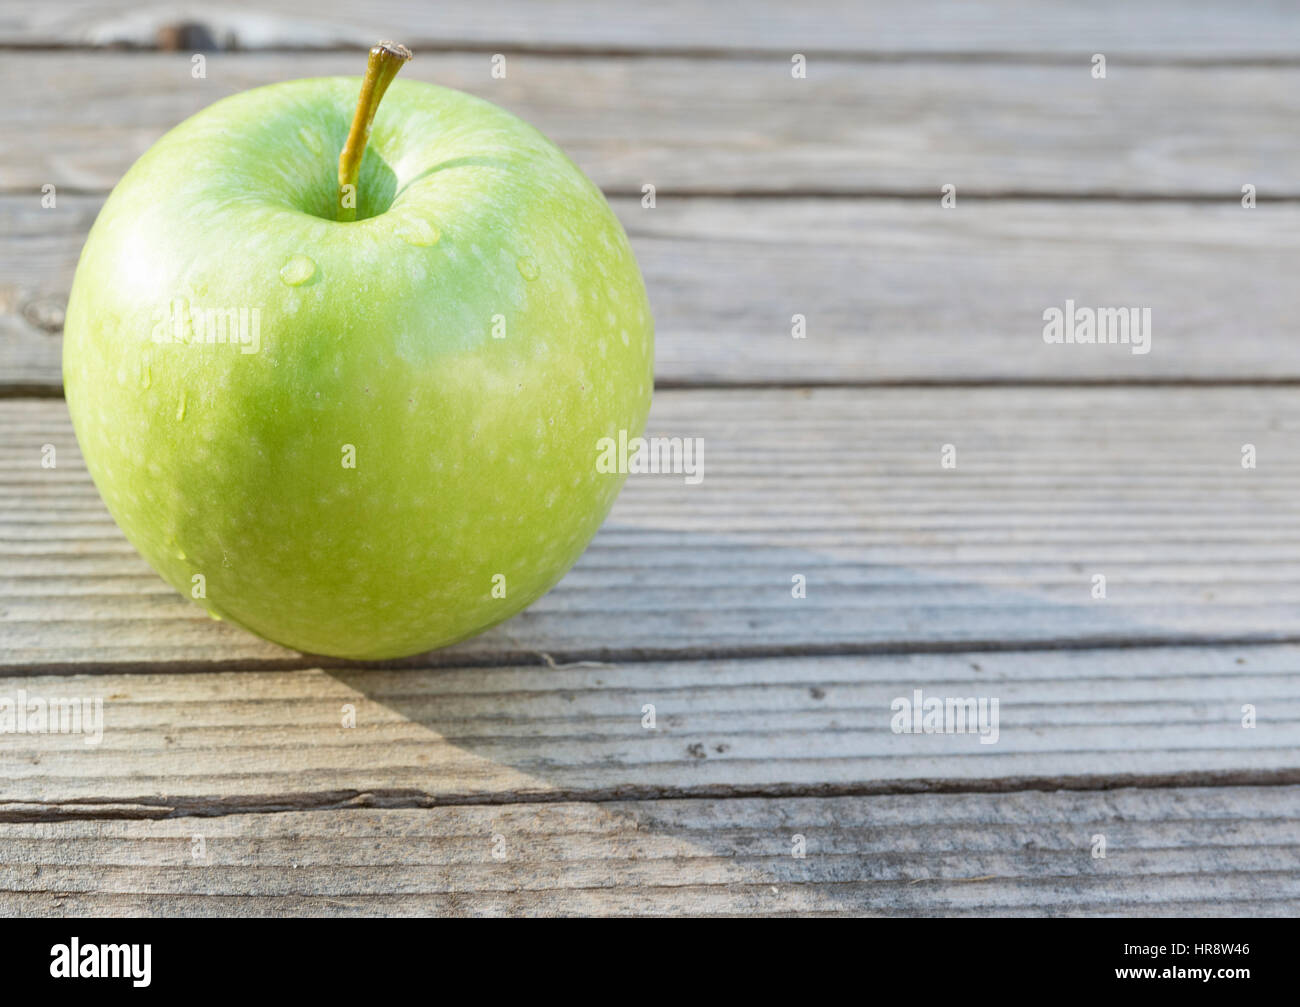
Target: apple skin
pixel 474 455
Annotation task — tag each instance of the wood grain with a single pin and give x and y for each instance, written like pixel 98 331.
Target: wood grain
pixel 726 126
pixel 256 741
pixel 1208 29
pixel 1052 487
pixel 1177 852
pixel 892 290
pixel 1120 718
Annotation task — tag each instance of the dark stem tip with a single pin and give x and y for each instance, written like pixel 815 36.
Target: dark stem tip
pixel 395 49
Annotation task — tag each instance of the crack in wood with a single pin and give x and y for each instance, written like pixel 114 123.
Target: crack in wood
pixel 145 808
pixel 612 658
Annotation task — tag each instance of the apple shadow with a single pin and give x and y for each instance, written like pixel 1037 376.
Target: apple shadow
pixel 729 723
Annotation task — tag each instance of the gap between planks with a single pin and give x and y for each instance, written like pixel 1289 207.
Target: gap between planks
pixel 155 809
pixel 922 57
pixel 560 659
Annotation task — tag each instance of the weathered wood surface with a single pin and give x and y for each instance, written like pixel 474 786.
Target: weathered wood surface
pixel 776 197
pixel 892 290
pixel 1209 29
pixel 1053 486
pixel 1175 852
pixel 725 126
pixel 261 741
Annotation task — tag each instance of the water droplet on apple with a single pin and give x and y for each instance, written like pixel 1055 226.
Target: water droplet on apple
pixel 180 408
pixel 180 554
pixel 298 270
pixel 146 376
pixel 418 231
pixel 528 268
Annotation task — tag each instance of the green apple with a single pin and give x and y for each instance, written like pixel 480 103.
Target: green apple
pixel 360 437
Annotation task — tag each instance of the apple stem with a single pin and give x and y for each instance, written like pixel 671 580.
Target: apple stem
pixel 385 60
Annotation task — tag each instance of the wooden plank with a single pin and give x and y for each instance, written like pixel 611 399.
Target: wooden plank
pixel 1213 29
pixel 844 486
pixel 1180 852
pixel 724 126
pixel 892 290
pixel 256 741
